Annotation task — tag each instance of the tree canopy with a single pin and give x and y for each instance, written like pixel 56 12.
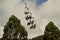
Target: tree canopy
pixel 13 30
pixel 51 32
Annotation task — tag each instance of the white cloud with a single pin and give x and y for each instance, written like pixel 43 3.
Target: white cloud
pixel 46 12
pixel 51 10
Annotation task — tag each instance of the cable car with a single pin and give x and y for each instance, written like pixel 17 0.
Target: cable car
pixel 33 26
pixel 26 12
pixel 28 17
pixel 28 23
pixel 31 23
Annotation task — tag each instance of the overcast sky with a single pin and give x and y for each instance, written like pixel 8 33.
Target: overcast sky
pixel 42 10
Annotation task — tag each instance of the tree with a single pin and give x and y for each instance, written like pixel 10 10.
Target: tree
pixel 13 30
pixel 38 38
pixel 51 32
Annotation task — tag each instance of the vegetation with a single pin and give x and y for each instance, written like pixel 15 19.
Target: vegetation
pixel 51 32
pixel 38 38
pixel 13 30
